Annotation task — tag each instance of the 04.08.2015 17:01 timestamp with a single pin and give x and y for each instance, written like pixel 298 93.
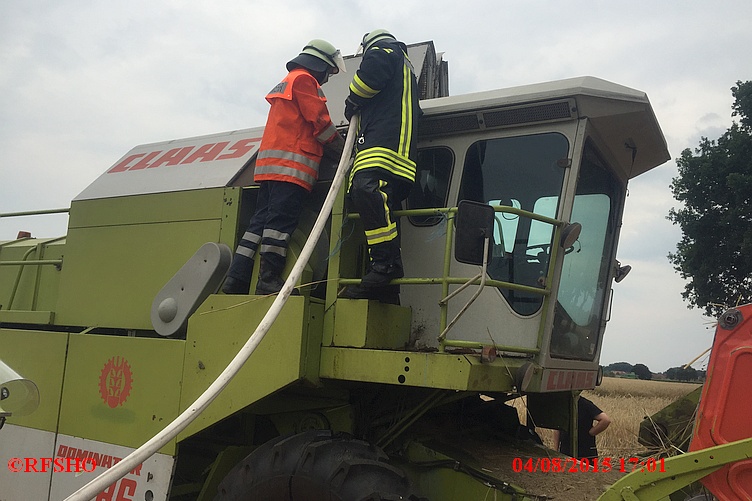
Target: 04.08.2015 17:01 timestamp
pixel 583 465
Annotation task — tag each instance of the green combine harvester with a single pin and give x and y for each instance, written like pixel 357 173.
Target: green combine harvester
pixel 116 329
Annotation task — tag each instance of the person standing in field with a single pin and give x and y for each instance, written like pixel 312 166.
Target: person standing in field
pixel 591 421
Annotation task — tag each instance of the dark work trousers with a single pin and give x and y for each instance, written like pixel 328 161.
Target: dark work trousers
pixel 278 210
pixel 375 195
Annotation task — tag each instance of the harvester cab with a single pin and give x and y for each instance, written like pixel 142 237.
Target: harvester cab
pixel 509 242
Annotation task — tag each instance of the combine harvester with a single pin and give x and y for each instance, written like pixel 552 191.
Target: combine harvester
pixel 519 193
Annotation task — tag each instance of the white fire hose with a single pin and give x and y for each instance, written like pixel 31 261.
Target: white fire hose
pixel 170 431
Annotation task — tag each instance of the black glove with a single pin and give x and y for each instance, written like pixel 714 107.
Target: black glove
pixel 336 146
pixel 351 108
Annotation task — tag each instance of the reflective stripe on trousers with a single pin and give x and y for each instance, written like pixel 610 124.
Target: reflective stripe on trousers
pixel 278 210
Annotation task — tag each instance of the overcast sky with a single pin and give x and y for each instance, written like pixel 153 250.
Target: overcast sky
pixel 82 82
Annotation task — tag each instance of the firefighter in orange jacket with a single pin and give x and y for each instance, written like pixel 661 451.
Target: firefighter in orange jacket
pixel 298 129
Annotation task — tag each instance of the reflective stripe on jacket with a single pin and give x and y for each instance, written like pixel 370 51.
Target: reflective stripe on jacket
pixel 386 90
pixel 297 128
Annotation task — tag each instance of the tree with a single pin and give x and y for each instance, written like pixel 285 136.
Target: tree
pixel 642 371
pixel 620 366
pixel 715 186
pixel 682 374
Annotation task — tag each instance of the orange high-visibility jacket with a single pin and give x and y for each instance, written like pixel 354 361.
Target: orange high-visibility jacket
pixel 297 128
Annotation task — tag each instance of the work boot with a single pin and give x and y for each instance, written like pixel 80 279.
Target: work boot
pixel 234 285
pixel 381 275
pixel 270 280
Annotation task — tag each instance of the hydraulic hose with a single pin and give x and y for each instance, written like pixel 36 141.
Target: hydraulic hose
pixel 170 431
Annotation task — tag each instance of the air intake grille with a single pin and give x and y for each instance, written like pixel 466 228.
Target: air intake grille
pixel 560 110
pixel 539 113
pixel 448 125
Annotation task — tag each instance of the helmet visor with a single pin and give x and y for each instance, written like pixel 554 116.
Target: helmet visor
pixel 339 62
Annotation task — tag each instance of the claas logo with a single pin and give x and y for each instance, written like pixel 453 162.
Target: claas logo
pixel 186 155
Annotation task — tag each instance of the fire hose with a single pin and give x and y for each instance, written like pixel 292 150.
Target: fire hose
pixel 170 431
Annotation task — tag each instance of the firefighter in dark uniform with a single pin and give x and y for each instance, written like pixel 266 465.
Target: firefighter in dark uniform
pixel 298 129
pixel 384 91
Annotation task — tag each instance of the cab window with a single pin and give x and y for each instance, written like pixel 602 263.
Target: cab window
pixel 524 173
pixel 431 188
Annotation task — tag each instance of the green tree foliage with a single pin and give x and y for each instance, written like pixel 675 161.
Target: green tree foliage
pixel 715 187
pixel 682 374
pixel 619 366
pixel 642 371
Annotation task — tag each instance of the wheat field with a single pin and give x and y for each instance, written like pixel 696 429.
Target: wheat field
pixel 627 402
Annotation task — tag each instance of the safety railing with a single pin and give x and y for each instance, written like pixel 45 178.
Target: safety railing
pixel 39 249
pixel 446 279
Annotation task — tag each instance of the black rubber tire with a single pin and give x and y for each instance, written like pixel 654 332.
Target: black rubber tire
pixel 315 465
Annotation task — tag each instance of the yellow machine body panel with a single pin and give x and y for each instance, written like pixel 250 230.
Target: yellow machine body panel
pixel 121 251
pixel 121 390
pixel 217 331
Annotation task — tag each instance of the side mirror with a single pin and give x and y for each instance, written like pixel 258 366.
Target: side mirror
pixel 569 234
pixel 621 272
pixel 18 396
pixel 474 224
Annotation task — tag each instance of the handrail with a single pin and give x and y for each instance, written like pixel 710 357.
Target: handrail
pixel 39 248
pixel 446 279
pixel 40 262
pixel 34 212
pixel 58 263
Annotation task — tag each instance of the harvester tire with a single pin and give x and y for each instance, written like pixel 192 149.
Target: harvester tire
pixel 316 465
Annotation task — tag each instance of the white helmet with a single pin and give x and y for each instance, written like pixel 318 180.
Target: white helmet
pixel 373 36
pixel 319 55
